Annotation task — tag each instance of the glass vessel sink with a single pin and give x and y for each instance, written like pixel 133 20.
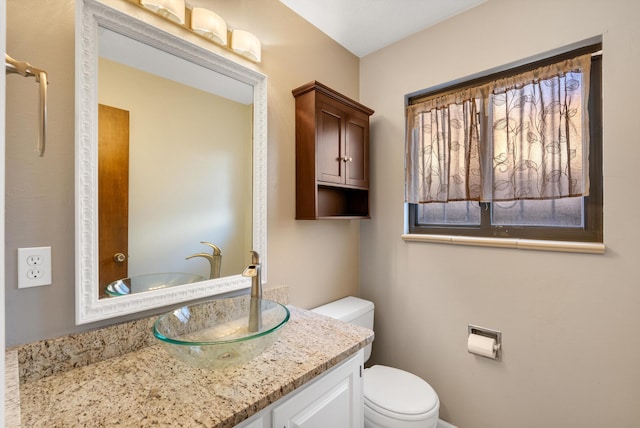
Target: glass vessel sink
pixel 154 281
pixel 215 334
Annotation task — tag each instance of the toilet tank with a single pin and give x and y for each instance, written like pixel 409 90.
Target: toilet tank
pixel 352 310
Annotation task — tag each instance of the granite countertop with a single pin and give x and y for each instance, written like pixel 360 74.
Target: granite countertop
pixel 148 387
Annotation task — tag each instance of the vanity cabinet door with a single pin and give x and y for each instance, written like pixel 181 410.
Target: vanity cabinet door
pixel 261 422
pixel 334 400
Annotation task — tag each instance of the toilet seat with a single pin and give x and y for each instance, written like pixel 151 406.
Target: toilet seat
pixel 399 394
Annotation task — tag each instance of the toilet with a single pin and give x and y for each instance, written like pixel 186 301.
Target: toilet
pixel 393 398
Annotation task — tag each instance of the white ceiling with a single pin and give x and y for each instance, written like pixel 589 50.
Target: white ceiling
pixel 128 51
pixel 364 26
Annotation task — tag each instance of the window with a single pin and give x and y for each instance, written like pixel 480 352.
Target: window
pixel 516 154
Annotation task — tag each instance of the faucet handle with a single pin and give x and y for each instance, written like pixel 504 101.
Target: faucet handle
pixel 216 250
pixel 255 257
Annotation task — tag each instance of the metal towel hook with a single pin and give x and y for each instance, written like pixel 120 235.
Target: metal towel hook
pixel 25 69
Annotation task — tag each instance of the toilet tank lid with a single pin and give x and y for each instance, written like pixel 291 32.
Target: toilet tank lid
pixel 394 392
pixel 345 309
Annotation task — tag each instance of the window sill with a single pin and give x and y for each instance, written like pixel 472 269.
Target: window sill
pixel 518 244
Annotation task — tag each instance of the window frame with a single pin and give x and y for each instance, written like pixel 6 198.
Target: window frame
pixel 593 208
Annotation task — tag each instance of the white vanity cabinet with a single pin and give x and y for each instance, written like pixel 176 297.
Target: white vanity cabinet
pixel 334 399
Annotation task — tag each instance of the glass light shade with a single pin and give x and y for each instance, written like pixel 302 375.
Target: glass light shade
pixel 209 24
pixel 172 10
pixel 246 44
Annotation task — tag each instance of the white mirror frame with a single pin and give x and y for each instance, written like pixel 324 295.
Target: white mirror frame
pixel 130 20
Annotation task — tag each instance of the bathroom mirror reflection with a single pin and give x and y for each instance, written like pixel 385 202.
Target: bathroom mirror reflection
pixel 186 179
pixel 174 169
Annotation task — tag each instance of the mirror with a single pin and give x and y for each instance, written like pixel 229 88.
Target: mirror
pixel 174 167
pixel 207 182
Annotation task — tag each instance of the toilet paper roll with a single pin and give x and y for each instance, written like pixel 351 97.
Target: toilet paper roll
pixel 481 345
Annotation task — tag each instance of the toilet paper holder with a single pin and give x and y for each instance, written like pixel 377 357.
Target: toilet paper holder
pixel 488 333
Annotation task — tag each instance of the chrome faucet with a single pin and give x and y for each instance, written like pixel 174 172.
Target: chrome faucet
pixel 253 271
pixel 215 259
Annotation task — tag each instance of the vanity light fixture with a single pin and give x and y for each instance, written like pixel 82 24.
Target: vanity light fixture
pixel 209 24
pixel 172 10
pixel 246 44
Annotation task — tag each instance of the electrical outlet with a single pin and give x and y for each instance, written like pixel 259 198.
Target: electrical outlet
pixel 34 267
pixel 35 260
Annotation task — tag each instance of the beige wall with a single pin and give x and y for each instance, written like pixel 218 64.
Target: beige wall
pixel 569 321
pixel 318 259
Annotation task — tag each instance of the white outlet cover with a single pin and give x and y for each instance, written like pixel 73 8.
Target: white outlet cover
pixel 34 267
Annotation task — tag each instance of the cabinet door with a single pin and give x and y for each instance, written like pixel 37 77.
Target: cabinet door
pixel 330 144
pixel 263 422
pixel 335 400
pixel 357 151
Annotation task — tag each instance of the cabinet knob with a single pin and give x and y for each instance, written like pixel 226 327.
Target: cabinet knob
pixel 119 257
pixel 346 159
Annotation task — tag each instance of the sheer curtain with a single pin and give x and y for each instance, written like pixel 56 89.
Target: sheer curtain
pixel 539 133
pixel 442 152
pixel 536 144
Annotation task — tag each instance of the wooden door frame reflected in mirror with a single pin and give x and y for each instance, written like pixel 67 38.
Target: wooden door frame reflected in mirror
pixel 127 19
pixel 113 195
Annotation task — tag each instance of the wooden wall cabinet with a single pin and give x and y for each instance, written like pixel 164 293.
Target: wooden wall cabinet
pixel 332 154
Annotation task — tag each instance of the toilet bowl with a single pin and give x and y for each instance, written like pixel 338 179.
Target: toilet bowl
pixel 393 398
